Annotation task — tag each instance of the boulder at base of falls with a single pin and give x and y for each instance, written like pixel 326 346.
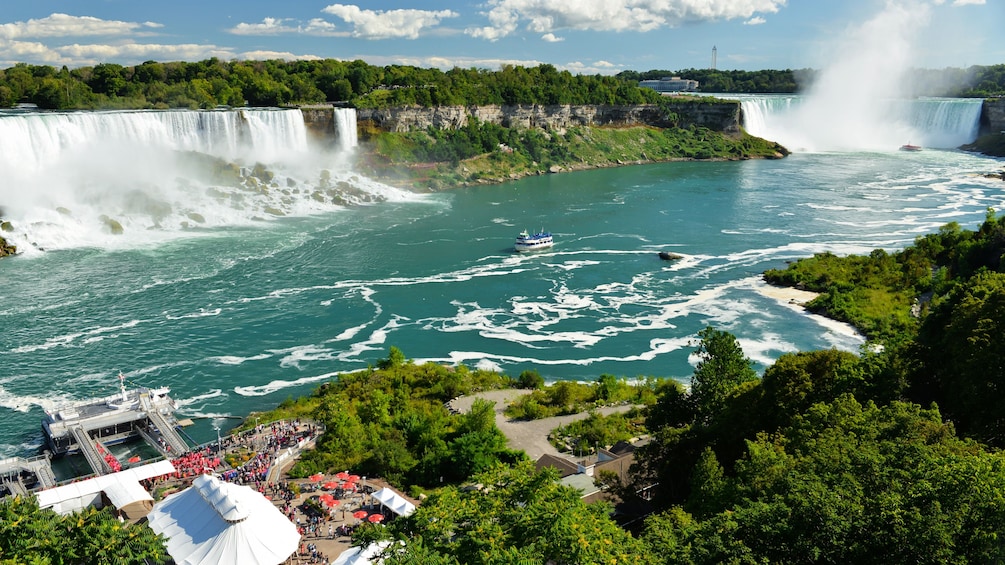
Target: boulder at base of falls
pixel 6 248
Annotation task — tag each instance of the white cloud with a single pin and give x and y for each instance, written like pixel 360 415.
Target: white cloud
pixel 63 25
pixel 595 68
pixel 318 26
pixel 269 26
pixel 550 38
pixel 270 55
pixel 543 16
pixel 14 52
pixel 755 21
pixel 78 55
pixel 277 26
pixel 385 24
pixel 968 2
pixel 134 53
pixel 444 63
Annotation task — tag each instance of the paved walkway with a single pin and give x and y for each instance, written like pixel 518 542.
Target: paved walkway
pixel 529 435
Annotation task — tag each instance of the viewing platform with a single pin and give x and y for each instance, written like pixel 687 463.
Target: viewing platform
pixel 89 427
pixel 18 475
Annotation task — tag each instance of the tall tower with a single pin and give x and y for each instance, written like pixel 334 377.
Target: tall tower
pixel 713 57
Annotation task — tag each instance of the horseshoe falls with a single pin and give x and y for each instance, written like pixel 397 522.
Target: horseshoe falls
pixel 813 124
pixel 229 257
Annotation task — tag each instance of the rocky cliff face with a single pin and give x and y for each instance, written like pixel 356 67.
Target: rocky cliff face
pixel 993 115
pixel 724 116
pixel 320 122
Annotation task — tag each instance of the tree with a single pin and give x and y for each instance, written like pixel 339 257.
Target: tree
pixel 721 368
pixel 30 535
pixel 108 78
pixel 858 483
pixel 796 381
pixel 960 348
pixel 395 358
pixel 530 379
pixel 514 515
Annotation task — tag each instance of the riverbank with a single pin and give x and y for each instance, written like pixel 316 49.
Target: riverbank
pixel 797 299
pixel 462 158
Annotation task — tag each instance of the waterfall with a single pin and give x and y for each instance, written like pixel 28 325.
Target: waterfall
pixel 108 179
pixel 345 128
pixel 805 124
pixel 944 122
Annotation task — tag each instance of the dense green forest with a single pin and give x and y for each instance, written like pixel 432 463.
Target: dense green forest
pixel 209 83
pixel 212 82
pixel 972 82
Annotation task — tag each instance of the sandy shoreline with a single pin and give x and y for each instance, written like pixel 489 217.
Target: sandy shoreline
pixel 787 293
pixel 796 298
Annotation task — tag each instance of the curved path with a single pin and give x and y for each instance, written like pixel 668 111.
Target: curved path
pixel 529 435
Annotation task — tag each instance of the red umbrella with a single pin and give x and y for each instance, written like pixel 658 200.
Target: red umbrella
pixel 359 514
pixel 331 485
pixel 342 475
pixel 374 518
pixel 134 459
pixel 317 478
pixel 331 502
pixel 352 478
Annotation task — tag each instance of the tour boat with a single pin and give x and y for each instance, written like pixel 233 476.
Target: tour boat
pixel 909 147
pixel 529 242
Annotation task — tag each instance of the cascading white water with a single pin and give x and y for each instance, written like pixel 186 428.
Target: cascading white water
pixel 35 141
pixel 941 123
pixel 109 179
pixel 860 100
pixel 345 128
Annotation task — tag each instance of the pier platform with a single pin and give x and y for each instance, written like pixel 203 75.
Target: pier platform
pixel 89 427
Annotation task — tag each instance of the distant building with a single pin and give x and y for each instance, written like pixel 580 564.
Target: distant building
pixel 670 84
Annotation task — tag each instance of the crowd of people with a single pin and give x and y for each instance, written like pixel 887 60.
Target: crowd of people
pixel 264 443
pixel 263 446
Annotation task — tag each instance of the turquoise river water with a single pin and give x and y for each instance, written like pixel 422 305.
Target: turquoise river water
pixel 236 312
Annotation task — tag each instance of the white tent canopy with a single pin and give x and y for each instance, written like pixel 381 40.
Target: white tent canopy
pixel 362 555
pixel 394 501
pixel 219 523
pixel 122 489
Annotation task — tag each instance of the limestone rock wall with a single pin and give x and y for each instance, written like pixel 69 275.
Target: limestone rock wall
pixel 993 115
pixel 723 116
pixel 320 122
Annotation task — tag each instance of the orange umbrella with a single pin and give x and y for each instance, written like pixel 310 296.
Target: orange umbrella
pixel 374 518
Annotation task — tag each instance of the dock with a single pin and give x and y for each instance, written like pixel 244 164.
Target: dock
pixel 18 475
pixel 89 427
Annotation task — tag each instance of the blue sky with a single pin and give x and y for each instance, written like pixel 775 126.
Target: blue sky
pixel 582 36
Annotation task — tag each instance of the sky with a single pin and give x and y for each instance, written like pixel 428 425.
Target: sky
pixel 581 36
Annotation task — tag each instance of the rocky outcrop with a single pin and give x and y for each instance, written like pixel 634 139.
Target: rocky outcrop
pixel 719 116
pixel 6 248
pixel 320 122
pixel 993 115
